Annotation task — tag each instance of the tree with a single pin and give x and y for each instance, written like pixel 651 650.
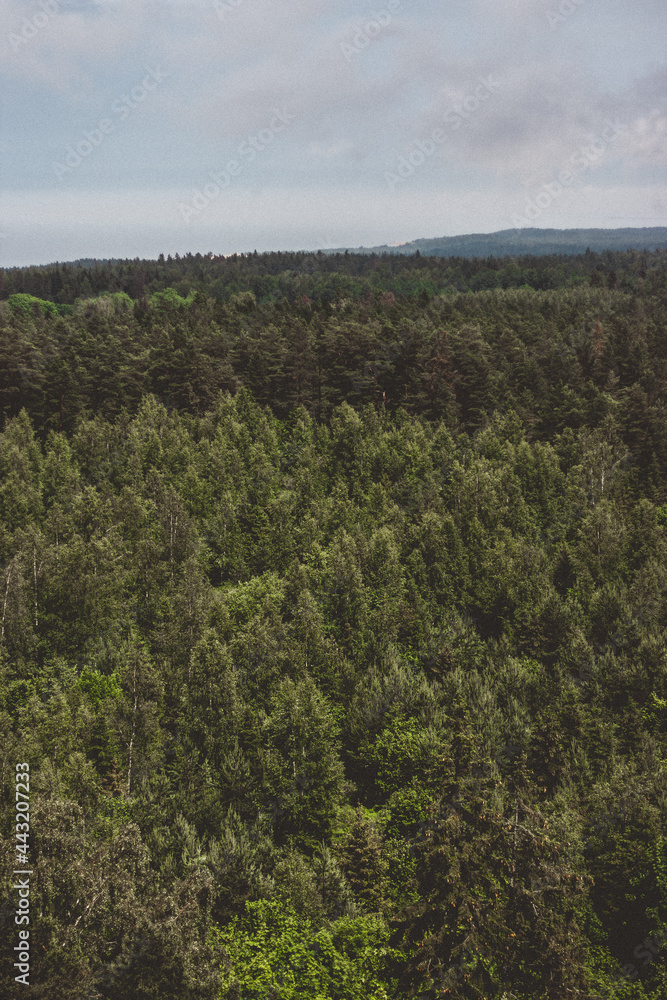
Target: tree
pixel 302 770
pixel 500 895
pixel 362 863
pixel 134 715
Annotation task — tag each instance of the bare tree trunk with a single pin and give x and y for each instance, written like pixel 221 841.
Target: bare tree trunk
pixel 134 726
pixel 35 573
pixel 173 525
pixel 516 824
pixel 10 569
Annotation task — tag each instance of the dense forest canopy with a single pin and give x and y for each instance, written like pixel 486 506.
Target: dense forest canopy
pixel 325 278
pixel 333 597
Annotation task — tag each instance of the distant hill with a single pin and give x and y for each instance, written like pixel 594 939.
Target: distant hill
pixel 517 242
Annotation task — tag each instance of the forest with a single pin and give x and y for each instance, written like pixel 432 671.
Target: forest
pixel 333 626
pixel 515 242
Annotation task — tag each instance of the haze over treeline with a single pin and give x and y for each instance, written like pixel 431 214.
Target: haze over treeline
pixel 515 242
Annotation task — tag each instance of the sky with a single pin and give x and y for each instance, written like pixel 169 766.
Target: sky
pixel 131 128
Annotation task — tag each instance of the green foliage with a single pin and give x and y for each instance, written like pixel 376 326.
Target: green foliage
pixel 270 951
pixel 22 304
pixel 333 600
pixel 363 864
pixel 170 299
pixel 97 686
pixel 398 754
pixel 303 774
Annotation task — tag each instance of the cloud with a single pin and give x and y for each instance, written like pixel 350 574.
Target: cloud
pixel 63 46
pixel 361 88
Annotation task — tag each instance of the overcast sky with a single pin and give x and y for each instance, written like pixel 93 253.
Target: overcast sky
pixel 130 128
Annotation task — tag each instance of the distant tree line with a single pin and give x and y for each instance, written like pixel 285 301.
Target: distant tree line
pixel 325 278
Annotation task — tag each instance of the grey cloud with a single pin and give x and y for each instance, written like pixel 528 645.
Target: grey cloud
pixel 353 116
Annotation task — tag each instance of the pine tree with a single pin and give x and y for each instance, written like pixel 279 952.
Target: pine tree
pixel 363 864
